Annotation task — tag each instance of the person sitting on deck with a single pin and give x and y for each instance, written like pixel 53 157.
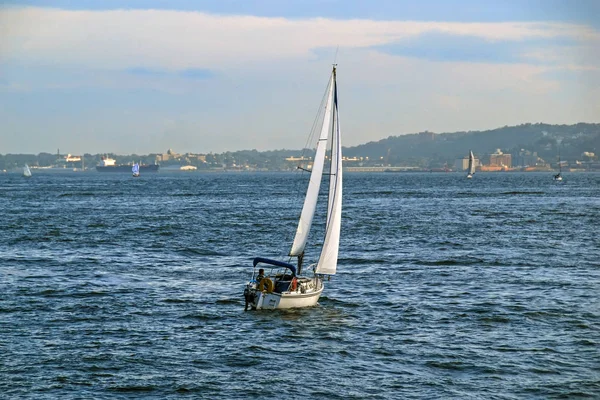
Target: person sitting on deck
pixel 260 276
pixel 249 297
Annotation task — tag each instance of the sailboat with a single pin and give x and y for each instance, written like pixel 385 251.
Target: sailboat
pixel 558 177
pixel 26 171
pixel 285 286
pixel 471 167
pixel 136 170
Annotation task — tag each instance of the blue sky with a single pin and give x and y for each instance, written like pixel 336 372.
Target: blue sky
pixel 430 10
pixel 144 76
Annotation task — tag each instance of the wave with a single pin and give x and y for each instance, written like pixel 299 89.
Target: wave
pixel 229 301
pixel 361 261
pixel 78 194
pixel 194 251
pixel 330 300
pixel 515 192
pixel 450 262
pixel 448 365
pixel 134 389
pixel 177 301
pixel 201 317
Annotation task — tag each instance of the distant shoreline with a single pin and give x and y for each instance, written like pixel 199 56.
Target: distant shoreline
pixel 348 169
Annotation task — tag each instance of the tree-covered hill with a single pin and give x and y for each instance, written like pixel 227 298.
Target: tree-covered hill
pixel 429 149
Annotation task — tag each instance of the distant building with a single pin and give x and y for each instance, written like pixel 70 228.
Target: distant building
pixel 64 161
pixel 462 164
pixel 499 159
pixel 297 159
pixel 169 155
pixel 70 158
pixel 526 158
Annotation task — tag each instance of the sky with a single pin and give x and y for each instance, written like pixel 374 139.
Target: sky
pixel 126 76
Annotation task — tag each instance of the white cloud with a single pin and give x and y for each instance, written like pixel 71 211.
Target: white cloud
pixel 181 39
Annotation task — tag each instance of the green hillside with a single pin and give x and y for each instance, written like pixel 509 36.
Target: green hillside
pixel 430 149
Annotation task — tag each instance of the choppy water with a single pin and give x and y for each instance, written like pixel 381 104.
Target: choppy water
pixel 114 287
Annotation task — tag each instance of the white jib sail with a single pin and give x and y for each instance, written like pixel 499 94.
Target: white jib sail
pixel 471 163
pixel 312 193
pixel 327 263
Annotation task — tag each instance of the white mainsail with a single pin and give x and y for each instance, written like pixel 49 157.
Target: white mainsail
pixel 26 171
pixel 327 263
pixel 135 169
pixel 312 193
pixel 471 163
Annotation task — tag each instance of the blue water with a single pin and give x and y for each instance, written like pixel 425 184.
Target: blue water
pixel 115 287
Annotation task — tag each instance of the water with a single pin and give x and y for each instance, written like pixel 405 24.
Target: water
pixel 115 287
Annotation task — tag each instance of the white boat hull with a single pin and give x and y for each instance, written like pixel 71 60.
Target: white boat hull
pixel 469 176
pixel 306 295
pixel 272 301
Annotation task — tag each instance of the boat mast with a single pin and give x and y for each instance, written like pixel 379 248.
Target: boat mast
pixel 559 163
pixel 300 259
pixel 332 140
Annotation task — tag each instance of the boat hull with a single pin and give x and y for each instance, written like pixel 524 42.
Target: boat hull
pixel 272 301
pixel 300 298
pixel 127 168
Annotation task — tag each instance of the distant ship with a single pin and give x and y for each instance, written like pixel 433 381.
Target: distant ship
pixel 109 165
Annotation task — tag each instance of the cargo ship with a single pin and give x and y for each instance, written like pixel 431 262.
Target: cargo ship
pixel 109 165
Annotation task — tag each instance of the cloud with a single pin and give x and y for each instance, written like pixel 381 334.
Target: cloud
pixel 186 40
pixel 437 46
pixel 190 73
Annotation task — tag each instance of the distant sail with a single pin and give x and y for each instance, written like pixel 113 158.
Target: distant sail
pixel 26 171
pixel 471 163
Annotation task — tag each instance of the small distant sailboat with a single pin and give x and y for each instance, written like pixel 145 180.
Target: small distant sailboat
pixel 136 170
pixel 26 171
pixel 471 167
pixel 558 177
pixel 284 287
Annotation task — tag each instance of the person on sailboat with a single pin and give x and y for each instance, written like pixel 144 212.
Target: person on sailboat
pixel 260 276
pixel 247 295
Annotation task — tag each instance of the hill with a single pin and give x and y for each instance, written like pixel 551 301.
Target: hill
pixel 428 149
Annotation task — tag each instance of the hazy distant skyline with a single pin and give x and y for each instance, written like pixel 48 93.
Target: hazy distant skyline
pixel 210 76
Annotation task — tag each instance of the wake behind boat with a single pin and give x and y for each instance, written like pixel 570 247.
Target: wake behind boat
pixel 284 286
